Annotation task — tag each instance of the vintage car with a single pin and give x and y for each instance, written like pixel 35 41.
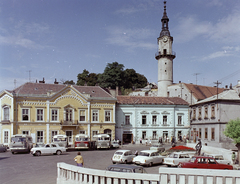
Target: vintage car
pixel 157 147
pixel 175 158
pixel 114 144
pixel 126 168
pixel 47 149
pixel 3 148
pixel 202 162
pixel 148 158
pixel 219 158
pixel 123 156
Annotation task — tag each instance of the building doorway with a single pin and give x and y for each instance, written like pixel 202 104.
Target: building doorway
pixel 69 134
pixel 127 138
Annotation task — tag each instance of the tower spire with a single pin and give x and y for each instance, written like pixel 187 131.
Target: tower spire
pixel 165 20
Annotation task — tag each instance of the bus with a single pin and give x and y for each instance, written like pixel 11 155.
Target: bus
pixel 102 141
pixel 82 141
pixel 21 143
pixel 61 140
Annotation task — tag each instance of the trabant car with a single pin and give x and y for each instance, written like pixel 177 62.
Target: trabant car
pixel 114 144
pixel 148 158
pixel 175 158
pixel 123 156
pixel 202 162
pixel 157 147
pixel 126 168
pixel 219 158
pixel 47 149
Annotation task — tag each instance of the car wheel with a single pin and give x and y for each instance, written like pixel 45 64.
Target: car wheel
pixel 114 162
pixel 125 162
pixel 169 165
pixel 58 152
pixel 38 153
pixel 150 164
pixel 13 153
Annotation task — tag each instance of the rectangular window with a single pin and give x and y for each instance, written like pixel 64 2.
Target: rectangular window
pixel 164 119
pixel 6 113
pixel 82 115
pixel 39 114
pixel 213 133
pixel 200 133
pixel 212 111
pixel 54 115
pixel 107 115
pixel 39 136
pixel 54 132
pixel 199 113
pixel 26 132
pixel 206 133
pixel 25 114
pixel 194 114
pixel 127 120
pixel 68 114
pixel 95 115
pixel 154 119
pixel 143 134
pixel 205 112
pixel 6 136
pixel 154 136
pixel 179 120
pixel 144 119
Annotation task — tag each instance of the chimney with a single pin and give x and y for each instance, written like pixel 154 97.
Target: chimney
pixel 55 82
pixel 43 81
pixel 230 86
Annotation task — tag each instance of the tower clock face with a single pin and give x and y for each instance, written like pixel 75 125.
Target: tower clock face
pixel 165 39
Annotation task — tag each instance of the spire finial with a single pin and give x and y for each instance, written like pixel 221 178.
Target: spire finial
pixel 165 21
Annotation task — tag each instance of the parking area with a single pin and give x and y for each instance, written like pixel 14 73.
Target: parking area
pixel 23 168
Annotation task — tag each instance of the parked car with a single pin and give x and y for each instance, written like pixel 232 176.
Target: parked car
pixel 175 158
pixel 219 158
pixel 157 147
pixel 3 148
pixel 126 168
pixel 47 149
pixel 123 156
pixel 203 162
pixel 114 144
pixel 148 158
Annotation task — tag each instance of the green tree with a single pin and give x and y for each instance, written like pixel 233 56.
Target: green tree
pixel 133 79
pixel 233 131
pixel 87 78
pixel 112 76
pixel 69 82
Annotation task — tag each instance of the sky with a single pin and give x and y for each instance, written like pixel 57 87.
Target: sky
pixel 58 39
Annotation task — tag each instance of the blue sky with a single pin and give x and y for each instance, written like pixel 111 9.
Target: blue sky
pixel 60 38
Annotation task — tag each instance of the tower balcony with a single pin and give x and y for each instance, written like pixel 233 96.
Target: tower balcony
pixel 159 55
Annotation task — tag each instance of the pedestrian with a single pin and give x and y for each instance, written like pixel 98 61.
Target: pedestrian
pixel 140 140
pixel 233 157
pixel 79 160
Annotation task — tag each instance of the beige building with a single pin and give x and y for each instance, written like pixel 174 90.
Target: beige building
pixel 44 110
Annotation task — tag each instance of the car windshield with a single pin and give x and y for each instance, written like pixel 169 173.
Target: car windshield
pixel 173 156
pixel 118 153
pixel 60 139
pixel 18 139
pixel 144 154
pixel 192 159
pixel 40 145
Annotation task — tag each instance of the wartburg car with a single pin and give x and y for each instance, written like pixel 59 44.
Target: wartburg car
pixel 47 149
pixel 148 158
pixel 205 163
pixel 175 158
pixel 123 156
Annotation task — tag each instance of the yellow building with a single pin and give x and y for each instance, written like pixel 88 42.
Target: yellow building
pixel 44 110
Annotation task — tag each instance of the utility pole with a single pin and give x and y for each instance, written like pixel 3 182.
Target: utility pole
pixel 196 76
pixel 217 86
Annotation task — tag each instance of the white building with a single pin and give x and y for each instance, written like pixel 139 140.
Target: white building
pixel 139 117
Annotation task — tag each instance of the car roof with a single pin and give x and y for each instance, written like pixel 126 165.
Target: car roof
pixel 127 166
pixel 202 157
pixel 215 154
pixel 148 151
pixel 122 151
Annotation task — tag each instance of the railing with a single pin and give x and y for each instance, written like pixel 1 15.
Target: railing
pixel 73 122
pixel 159 54
pixel 71 174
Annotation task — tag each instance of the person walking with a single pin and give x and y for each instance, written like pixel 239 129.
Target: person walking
pixel 79 160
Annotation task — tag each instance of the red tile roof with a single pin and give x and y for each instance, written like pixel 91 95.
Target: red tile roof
pixel 202 92
pixel 43 89
pixel 150 100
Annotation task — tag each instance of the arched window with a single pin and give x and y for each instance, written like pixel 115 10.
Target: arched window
pixel 6 113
